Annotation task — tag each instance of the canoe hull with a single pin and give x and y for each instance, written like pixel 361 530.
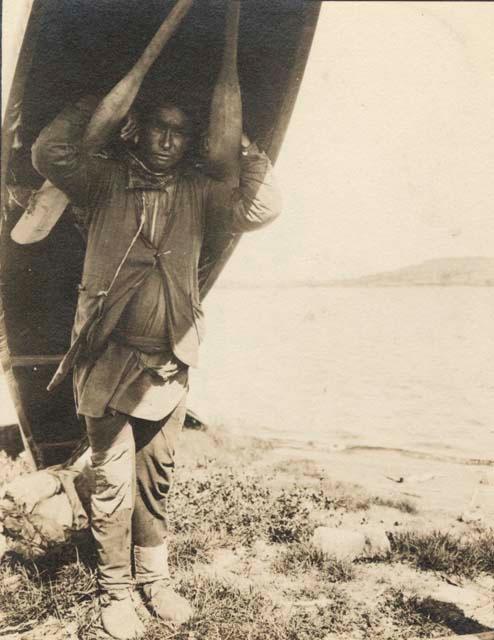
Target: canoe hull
pixel 62 42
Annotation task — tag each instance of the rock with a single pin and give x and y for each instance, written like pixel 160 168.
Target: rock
pixel 350 544
pixel 56 509
pixel 3 545
pixel 377 542
pixel 32 488
pixel 343 544
pixel 47 531
pixel 473 516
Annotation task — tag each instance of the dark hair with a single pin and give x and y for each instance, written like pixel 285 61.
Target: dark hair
pixel 146 108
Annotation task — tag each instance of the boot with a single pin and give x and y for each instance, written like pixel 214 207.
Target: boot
pixel 153 577
pixel 165 603
pixel 118 615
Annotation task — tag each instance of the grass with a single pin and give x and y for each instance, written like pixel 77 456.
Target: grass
pixel 246 508
pixel 403 505
pixel 198 545
pixel 31 593
pixel 224 611
pixel 445 552
pixel 409 611
pixel 428 616
pixel 274 583
pixel 301 558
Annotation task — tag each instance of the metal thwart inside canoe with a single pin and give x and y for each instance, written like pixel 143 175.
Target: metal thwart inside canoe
pixel 76 48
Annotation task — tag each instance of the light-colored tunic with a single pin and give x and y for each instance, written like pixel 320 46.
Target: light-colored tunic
pixel 125 378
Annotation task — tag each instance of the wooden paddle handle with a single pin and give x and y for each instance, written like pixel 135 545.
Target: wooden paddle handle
pixel 225 120
pixel 162 36
pixel 230 51
pixel 115 106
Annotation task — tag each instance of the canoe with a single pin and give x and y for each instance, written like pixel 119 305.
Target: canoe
pixel 80 47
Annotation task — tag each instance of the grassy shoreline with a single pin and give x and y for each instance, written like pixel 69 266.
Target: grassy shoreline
pixel 241 521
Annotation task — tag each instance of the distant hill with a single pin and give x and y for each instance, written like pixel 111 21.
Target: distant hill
pixel 459 272
pixel 440 272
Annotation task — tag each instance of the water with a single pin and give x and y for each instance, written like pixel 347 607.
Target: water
pixel 394 367
pixel 411 367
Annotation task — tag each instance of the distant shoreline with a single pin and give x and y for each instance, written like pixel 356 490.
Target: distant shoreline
pixel 443 272
pixel 345 285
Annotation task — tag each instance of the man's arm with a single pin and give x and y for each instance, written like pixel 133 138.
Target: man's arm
pixel 255 203
pixel 58 155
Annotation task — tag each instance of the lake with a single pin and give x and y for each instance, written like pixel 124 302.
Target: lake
pixel 389 367
pixel 393 367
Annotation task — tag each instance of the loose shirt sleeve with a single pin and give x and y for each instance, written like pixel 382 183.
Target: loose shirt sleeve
pixel 255 203
pixel 58 156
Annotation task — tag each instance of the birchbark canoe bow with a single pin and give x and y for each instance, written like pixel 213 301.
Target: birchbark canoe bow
pixel 77 47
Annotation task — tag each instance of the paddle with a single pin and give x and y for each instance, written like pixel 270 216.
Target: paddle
pixel 49 202
pixel 225 121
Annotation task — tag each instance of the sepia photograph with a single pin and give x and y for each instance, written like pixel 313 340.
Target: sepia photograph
pixel 247 320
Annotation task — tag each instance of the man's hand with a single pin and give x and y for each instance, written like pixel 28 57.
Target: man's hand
pixel 130 129
pixel 245 141
pixel 204 144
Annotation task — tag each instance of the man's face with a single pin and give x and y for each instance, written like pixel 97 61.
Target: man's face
pixel 165 138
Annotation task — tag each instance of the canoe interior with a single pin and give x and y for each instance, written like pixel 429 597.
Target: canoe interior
pixel 84 47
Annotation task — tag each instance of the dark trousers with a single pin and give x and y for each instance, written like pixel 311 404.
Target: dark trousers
pixel 133 464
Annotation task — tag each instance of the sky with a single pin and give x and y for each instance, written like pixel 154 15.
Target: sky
pixel 389 155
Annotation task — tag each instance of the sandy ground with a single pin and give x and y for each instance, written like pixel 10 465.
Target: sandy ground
pixel 449 495
pixel 442 489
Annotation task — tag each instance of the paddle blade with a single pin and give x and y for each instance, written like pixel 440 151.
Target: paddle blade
pixel 42 214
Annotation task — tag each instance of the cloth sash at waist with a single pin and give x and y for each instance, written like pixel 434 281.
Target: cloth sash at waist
pixel 145 344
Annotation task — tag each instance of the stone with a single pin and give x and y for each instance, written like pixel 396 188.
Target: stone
pixel 342 544
pixel 472 516
pixel 30 489
pixel 377 544
pixel 56 509
pixel 350 544
pixel 3 545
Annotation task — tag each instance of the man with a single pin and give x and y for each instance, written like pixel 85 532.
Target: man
pixel 138 325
